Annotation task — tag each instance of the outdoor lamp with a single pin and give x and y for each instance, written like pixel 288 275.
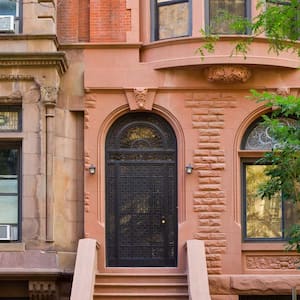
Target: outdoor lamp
pixel 92 169
pixel 189 169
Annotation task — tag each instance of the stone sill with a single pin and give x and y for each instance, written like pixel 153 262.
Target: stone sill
pixel 278 246
pixel 12 247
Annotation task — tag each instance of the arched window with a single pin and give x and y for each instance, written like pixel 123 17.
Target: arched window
pixel 141 192
pixel 263 219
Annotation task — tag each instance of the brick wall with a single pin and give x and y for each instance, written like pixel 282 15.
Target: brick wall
pixel 67 20
pixel 209 162
pixel 93 21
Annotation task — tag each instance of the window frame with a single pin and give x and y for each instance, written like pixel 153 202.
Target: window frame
pixel 244 163
pixel 251 157
pixel 248 15
pixel 16 145
pixel 155 18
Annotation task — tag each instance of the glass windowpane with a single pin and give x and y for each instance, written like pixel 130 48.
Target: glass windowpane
pixel 216 7
pixel 8 7
pixel 9 120
pixel 260 136
pixel 263 216
pixel 8 184
pixel 173 20
pixel 8 209
pixel 8 161
pixel 291 214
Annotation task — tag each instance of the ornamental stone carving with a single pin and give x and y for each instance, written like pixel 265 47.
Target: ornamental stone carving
pixel 283 91
pixel 42 290
pixel 140 98
pixel 49 95
pixel 272 262
pixel 228 73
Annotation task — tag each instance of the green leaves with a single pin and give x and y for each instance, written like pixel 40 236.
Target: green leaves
pixel 284 159
pixel 278 20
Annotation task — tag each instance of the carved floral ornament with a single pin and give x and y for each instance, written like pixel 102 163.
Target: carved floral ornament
pixel 227 73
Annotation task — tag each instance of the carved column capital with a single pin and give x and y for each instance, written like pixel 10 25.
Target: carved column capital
pixel 228 73
pixel 42 290
pixel 49 95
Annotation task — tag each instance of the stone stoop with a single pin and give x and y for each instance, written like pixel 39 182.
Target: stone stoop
pixel 141 286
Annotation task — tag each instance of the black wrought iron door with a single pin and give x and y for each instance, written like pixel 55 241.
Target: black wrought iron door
pixel 141 192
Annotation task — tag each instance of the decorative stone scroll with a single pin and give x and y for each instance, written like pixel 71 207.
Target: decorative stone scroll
pixel 140 98
pixel 228 73
pixel 272 262
pixel 49 95
pixel 42 290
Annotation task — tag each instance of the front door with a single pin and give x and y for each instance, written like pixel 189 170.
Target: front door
pixel 141 192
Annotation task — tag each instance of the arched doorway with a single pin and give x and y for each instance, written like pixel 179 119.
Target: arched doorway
pixel 141 192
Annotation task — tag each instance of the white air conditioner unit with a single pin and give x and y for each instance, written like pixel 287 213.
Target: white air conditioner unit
pixel 5 233
pixel 7 23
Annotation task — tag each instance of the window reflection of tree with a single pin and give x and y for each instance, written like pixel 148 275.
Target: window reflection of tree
pixel 263 215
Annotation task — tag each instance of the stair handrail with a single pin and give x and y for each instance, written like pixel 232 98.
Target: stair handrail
pixel 197 271
pixel 85 270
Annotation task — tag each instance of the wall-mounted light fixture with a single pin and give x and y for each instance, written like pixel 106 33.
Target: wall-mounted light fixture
pixel 92 169
pixel 189 169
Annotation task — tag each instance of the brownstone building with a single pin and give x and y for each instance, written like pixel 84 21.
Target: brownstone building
pixel 123 137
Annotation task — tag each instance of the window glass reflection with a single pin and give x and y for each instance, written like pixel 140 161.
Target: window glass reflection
pixel 263 216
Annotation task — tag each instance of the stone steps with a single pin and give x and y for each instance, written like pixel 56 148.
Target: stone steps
pixel 141 286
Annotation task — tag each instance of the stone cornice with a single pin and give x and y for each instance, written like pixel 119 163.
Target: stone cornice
pixel 43 59
pixel 28 37
pixel 65 46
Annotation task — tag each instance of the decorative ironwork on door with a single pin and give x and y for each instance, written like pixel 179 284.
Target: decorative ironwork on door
pixel 141 192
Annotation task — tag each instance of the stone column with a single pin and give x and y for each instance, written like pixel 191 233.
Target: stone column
pixel 49 98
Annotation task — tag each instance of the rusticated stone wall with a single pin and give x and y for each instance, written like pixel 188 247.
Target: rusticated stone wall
pixel 209 162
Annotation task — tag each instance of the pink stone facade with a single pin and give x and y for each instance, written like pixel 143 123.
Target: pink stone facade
pixel 77 68
pixel 206 102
